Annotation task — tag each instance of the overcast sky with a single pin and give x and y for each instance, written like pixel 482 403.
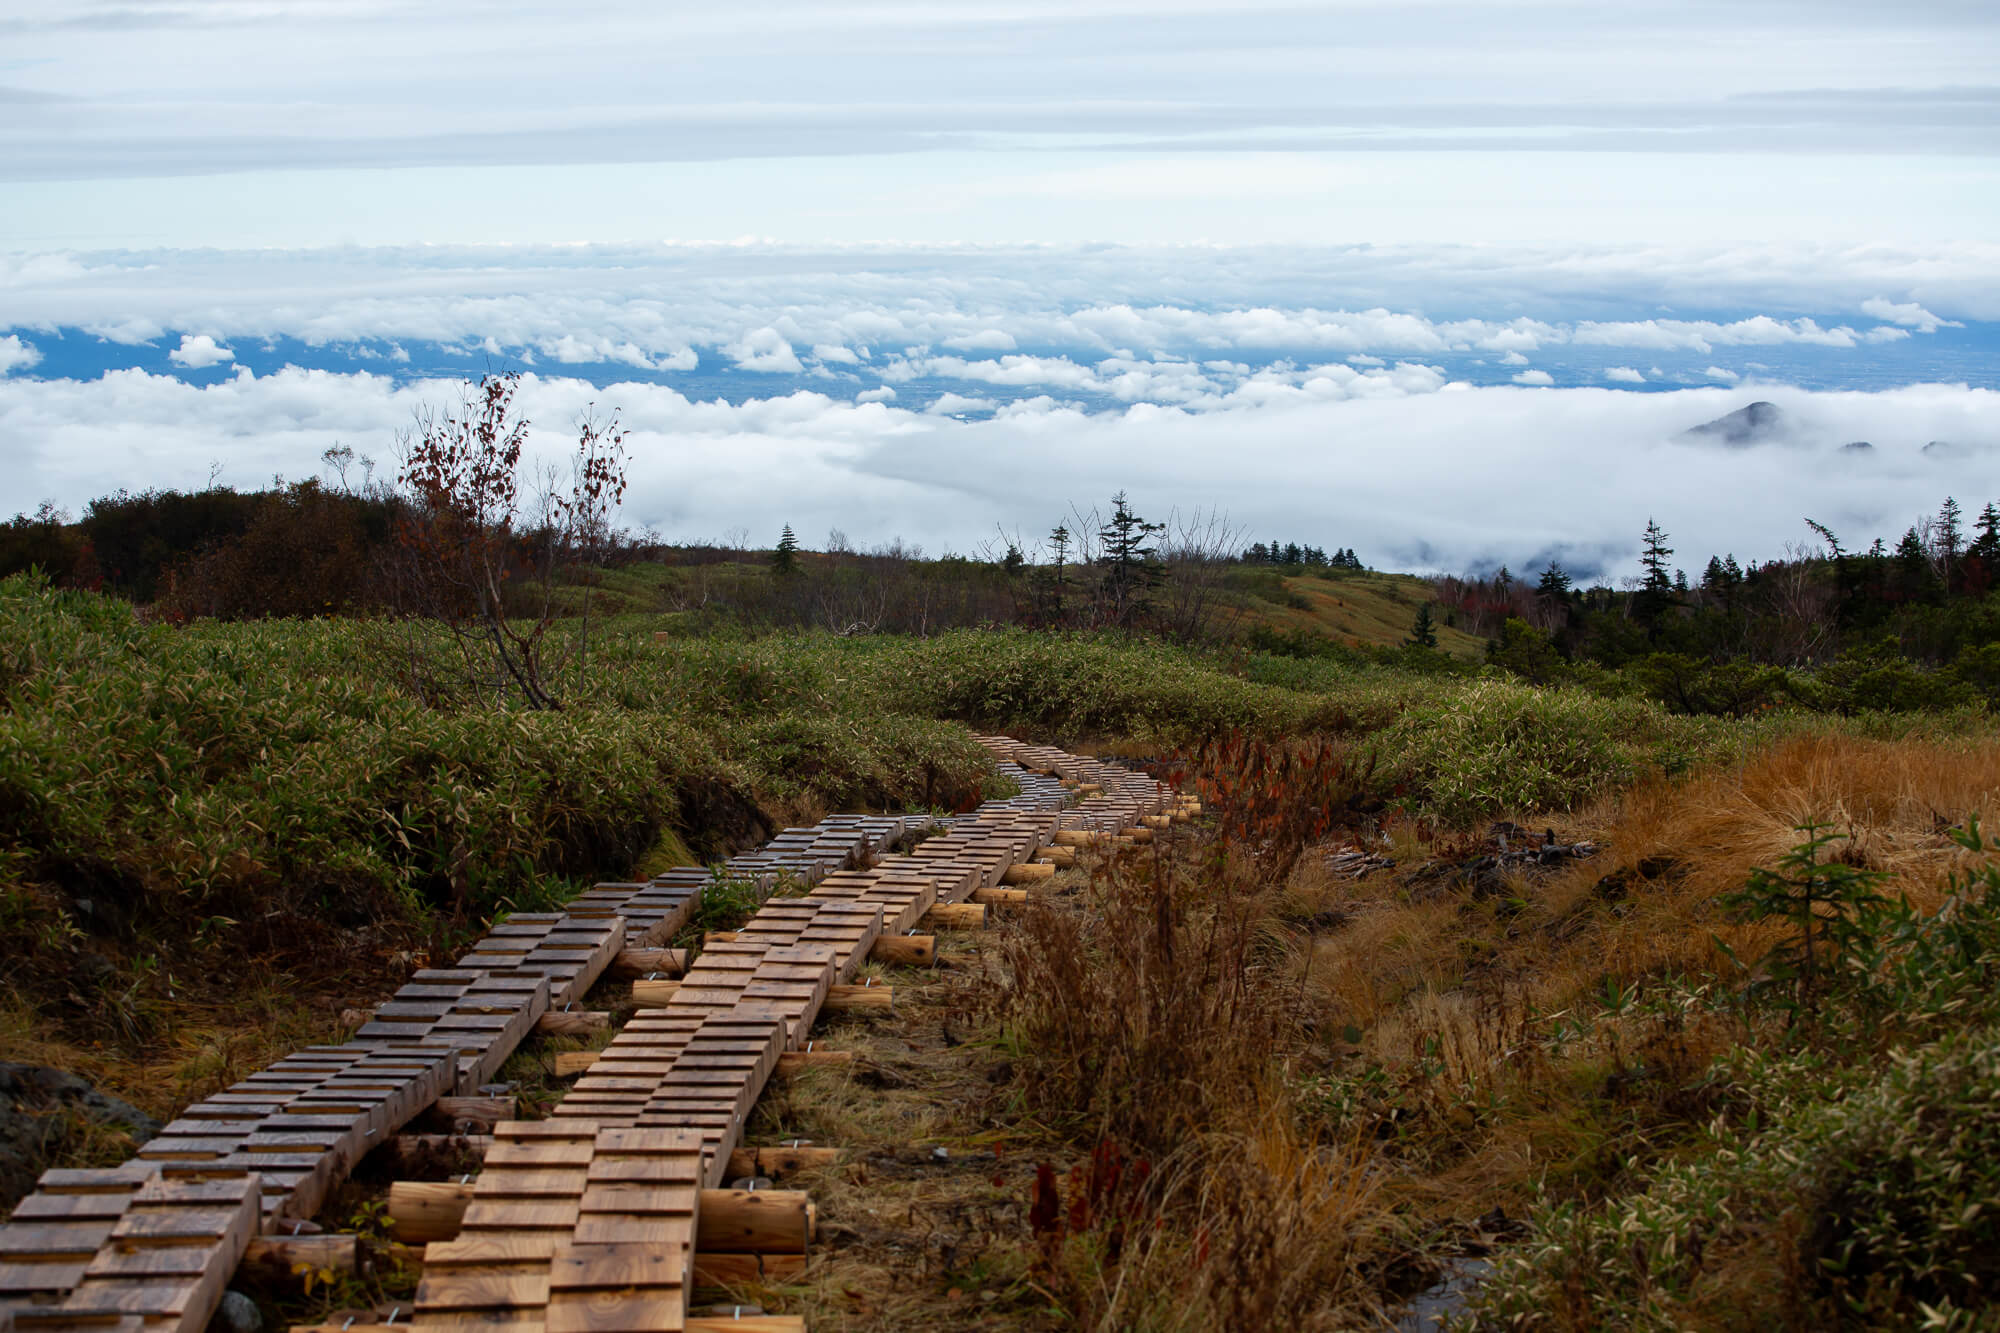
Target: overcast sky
pixel 938 222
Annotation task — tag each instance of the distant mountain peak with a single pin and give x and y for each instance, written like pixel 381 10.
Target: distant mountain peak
pixel 1754 424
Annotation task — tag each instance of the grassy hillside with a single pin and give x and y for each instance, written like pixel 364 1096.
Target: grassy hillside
pixel 1361 607
pixel 1442 1044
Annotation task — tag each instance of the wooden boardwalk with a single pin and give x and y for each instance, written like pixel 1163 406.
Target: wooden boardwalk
pixel 592 1219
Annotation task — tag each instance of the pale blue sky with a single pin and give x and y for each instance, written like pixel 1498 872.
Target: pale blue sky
pixel 812 120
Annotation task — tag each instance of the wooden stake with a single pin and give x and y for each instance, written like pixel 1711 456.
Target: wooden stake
pixel 850 999
pixel 653 994
pixel 571 1063
pixel 760 1221
pixel 999 897
pixel 905 950
pixel 572 1022
pixel 740 1270
pixel 795 1062
pixel 433 1152
pixel 277 1254
pixel 955 916
pixel 646 962
pixel 756 1221
pixel 470 1115
pixel 780 1161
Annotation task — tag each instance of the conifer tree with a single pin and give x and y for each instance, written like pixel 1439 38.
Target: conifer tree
pixel 1948 537
pixel 1423 631
pixel 1986 546
pixel 1656 593
pixel 785 558
pixel 1131 567
pixel 1554 585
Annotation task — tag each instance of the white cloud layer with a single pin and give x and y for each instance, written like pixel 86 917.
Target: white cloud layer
pixel 1093 319
pixel 199 351
pixel 16 354
pixel 1409 475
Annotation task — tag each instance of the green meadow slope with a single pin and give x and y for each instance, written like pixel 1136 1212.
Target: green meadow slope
pixel 1363 607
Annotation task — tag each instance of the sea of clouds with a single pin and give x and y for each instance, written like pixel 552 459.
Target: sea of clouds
pixel 1434 408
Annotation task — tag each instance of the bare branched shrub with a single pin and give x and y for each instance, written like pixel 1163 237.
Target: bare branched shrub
pixel 478 559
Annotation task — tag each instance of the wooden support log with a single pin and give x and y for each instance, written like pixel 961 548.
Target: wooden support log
pixel 572 1022
pixel 1076 837
pixel 653 994
pixel 649 962
pixel 955 916
pixel 426 1154
pixel 1090 788
pixel 1156 821
pixel 278 1256
pixel 905 950
pixel 751 1323
pixel 1031 873
pixel 725 1269
pixel 796 1062
pixel 1060 857
pixel 754 1221
pixel 722 937
pixel 999 897
pixel 421 1211
pixel 1136 835
pixel 1181 816
pixel 780 1161
pixel 757 1221
pixel 742 1270
pixel 470 1115
pixel 571 1063
pixel 853 999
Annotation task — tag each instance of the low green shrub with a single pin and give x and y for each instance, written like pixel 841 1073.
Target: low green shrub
pixel 1839 1188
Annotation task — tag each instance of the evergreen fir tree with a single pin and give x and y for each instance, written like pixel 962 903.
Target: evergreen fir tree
pixel 1059 540
pixel 1986 546
pixel 1554 585
pixel 1913 566
pixel 1656 594
pixel 1131 566
pixel 785 559
pixel 1423 631
pixel 1948 537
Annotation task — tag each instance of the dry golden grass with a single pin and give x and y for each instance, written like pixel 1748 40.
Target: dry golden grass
pixel 1641 907
pixel 1450 991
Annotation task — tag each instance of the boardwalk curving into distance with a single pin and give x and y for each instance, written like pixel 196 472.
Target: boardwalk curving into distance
pixel 606 1215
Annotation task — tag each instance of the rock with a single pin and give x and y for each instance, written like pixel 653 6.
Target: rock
pixel 32 1100
pixel 1758 423
pixel 236 1314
